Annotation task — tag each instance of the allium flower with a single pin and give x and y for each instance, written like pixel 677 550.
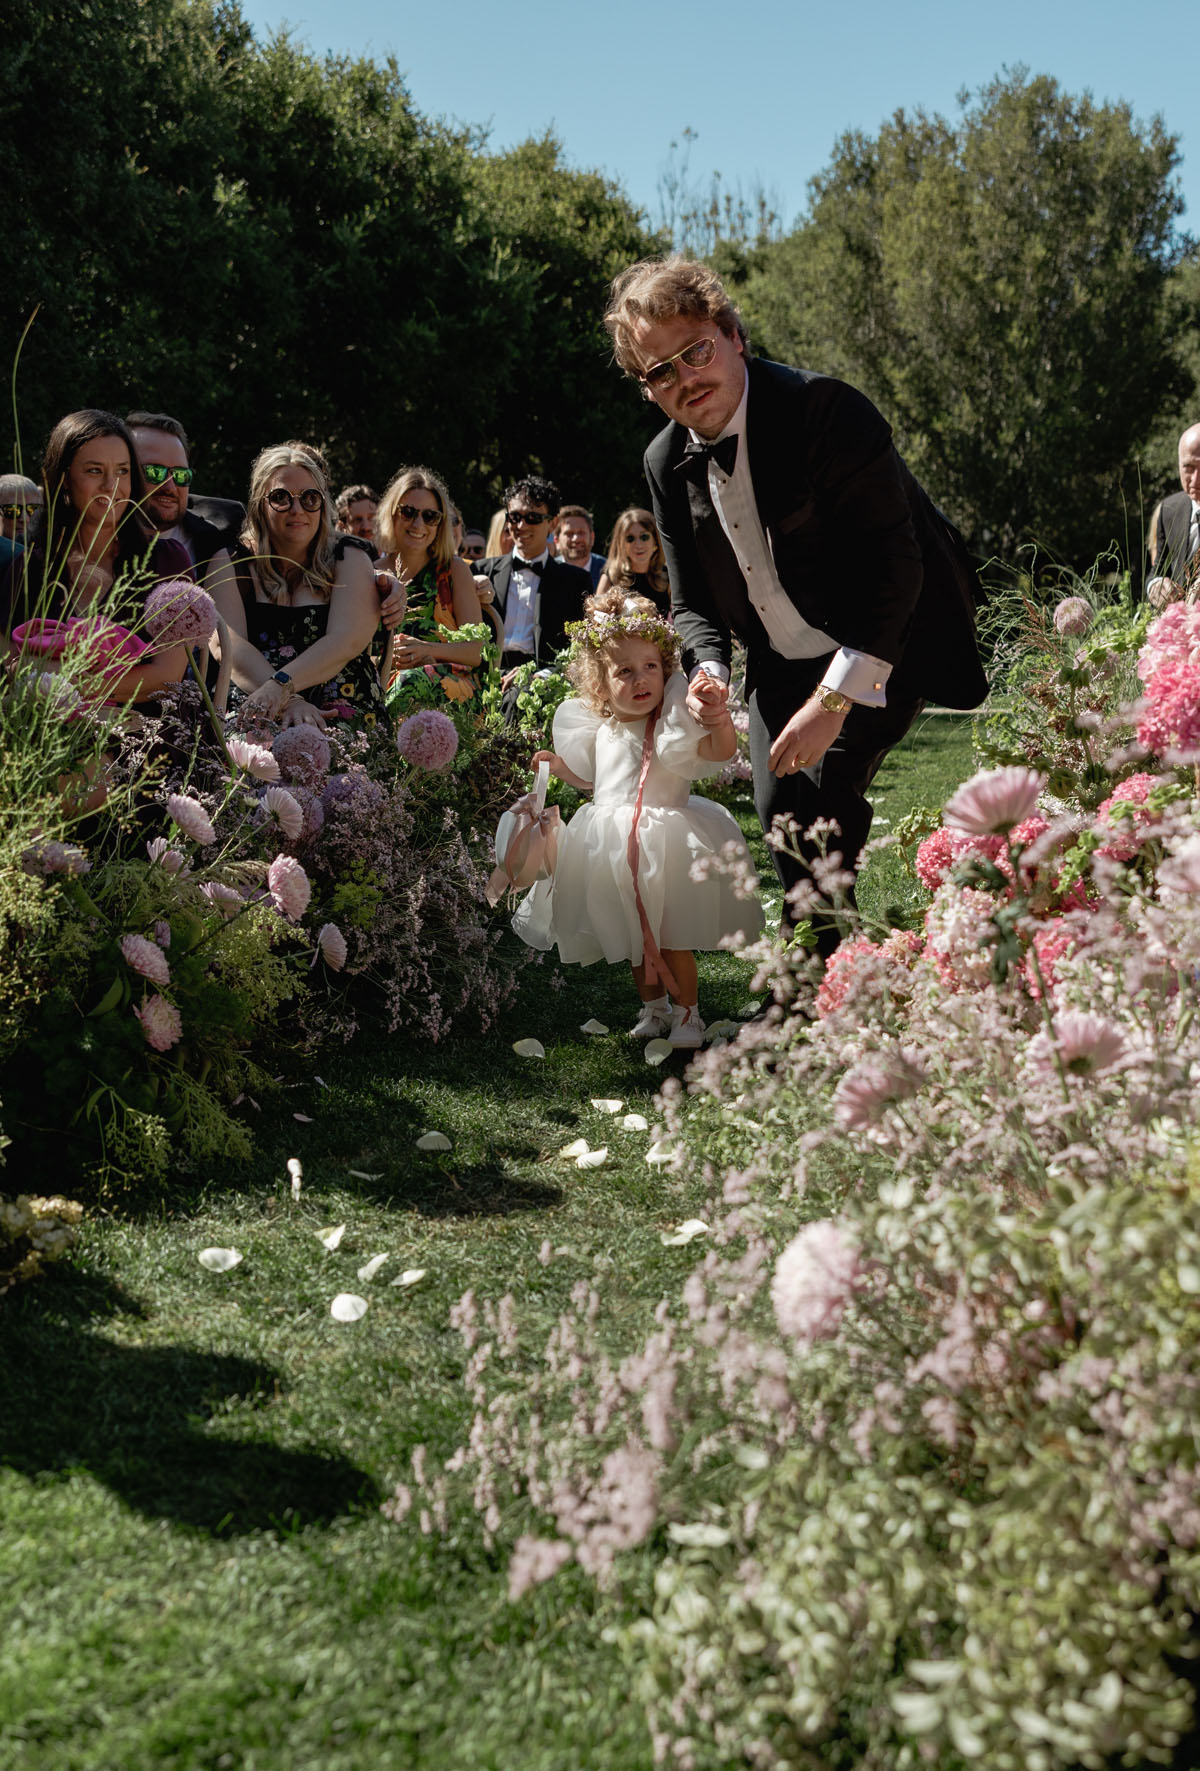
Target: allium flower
pixel 994 800
pixel 60 690
pixel 1074 615
pixel 302 753
pixel 287 809
pixel 46 858
pixel 191 818
pixel 288 884
pixel 1086 1043
pixel 147 958
pixel 162 934
pixel 428 740
pixel 312 807
pixel 161 1023
pixel 161 852
pixel 332 943
pixel 223 897
pixel 815 1277
pixel 256 759
pixel 179 613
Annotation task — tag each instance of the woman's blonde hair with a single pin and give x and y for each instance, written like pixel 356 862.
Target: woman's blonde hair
pixel 412 479
pixel 495 534
pixel 610 617
pixel 619 570
pixel 256 534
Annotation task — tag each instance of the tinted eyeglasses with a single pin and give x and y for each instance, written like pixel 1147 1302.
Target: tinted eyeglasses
pixel 412 513
pixel 664 375
pixel 157 474
pixel 638 535
pixel 527 519
pixel 13 511
pixel 310 500
pixel 474 550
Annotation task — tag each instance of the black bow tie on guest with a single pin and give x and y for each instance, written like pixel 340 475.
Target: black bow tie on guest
pixel 537 567
pixel 697 456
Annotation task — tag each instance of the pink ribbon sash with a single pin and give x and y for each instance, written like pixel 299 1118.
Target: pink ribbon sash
pixel 652 959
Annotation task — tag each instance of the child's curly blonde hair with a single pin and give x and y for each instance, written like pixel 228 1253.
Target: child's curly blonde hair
pixel 610 618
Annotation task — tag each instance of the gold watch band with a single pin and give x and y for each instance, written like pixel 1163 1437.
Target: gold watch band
pixel 832 700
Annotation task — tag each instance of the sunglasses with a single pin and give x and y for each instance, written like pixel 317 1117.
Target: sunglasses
pixel 411 514
pixel 474 550
pixel 638 535
pixel 13 511
pixel 527 518
pixel 158 475
pixel 664 375
pixel 309 500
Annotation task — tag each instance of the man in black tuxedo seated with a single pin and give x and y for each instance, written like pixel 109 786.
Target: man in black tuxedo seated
pixel 1175 529
pixel 203 525
pixel 789 520
pixel 535 594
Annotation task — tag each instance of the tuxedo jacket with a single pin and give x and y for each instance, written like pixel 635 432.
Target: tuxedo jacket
pixel 858 546
pixel 210 527
pixel 559 599
pixel 1172 532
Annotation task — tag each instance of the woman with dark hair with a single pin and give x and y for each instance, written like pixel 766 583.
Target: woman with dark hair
pixel 89 536
pixel 299 601
pixel 636 563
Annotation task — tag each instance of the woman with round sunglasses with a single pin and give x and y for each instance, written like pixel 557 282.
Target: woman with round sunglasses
pixel 429 665
pixel 301 606
pixel 636 563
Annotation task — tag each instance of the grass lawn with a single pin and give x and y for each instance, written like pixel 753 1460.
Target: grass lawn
pixel 194 1571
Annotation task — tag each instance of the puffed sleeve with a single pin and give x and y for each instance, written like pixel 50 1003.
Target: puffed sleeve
pixel 575 728
pixel 678 736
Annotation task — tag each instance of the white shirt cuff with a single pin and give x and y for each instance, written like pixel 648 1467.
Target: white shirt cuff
pixel 711 667
pixel 858 675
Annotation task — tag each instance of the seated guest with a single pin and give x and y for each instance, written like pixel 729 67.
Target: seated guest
pixel 300 603
pixel 499 536
pixel 89 537
pixel 576 534
pixel 474 545
pixel 20 500
pixel 162 451
pixel 636 562
pixel 356 507
pixel 414 527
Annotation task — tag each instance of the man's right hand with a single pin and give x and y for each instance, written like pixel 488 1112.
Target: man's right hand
pixel 707 699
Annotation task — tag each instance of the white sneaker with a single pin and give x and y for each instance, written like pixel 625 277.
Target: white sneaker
pixel 654 1020
pixel 687 1029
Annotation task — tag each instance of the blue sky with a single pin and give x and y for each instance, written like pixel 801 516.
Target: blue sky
pixel 767 88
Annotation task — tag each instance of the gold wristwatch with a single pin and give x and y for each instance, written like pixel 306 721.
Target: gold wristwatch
pixel 832 700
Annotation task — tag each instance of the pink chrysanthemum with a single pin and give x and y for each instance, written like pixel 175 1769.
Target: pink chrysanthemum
pixel 994 800
pixel 147 958
pixel 223 897
pixel 1083 1044
pixel 866 1090
pixel 161 1023
pixel 256 759
pixel 1073 616
pixel 815 1278
pixel 286 808
pixel 169 859
pixel 179 613
pixel 332 943
pixel 303 754
pixel 191 818
pixel 289 886
pixel 428 740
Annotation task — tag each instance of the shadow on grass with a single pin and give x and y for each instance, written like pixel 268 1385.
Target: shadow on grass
pixel 136 1419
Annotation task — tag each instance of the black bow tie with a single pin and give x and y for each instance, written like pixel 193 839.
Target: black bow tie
pixel 697 456
pixel 537 567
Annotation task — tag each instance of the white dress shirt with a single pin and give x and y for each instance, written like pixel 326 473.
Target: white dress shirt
pixel 520 607
pixel 855 674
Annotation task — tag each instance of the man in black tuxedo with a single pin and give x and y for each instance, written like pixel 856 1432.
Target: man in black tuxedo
pixel 203 525
pixel 789 520
pixel 535 594
pixel 1175 530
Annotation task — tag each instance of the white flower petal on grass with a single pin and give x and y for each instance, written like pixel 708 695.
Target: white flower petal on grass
pixel 410 1276
pixel 304 1118
pixel 659 1152
pixel 360 1174
pixel 218 1260
pixel 635 1122
pixel 529 1048
pixel 372 1267
pixel 593 1158
pixel 657 1050
pixel 434 1140
pixel 608 1106
pixel 579 1148
pixel 331 1237
pixel 593 1026
pixel 687 1232
pixel 348 1307
pixel 723 1029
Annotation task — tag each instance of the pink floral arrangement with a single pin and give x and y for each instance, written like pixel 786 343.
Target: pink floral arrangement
pixel 161 1022
pixel 1125 814
pixel 179 613
pixel 428 740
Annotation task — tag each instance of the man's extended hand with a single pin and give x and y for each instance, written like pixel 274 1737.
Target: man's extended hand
pixel 805 739
pixel 707 699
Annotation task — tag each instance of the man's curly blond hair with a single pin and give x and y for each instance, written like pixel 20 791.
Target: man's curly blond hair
pixel 663 289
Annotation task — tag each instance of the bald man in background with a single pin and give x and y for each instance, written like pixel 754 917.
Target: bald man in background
pixel 1175 529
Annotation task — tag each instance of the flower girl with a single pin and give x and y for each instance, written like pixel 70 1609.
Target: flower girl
pixel 644 872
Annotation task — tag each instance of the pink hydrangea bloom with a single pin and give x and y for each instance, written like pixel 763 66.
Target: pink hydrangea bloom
pixel 286 808
pixel 191 818
pixel 428 740
pixel 332 943
pixel 147 958
pixel 959 930
pixel 256 759
pixel 288 885
pixel 161 852
pixel 161 1023
pixel 1054 941
pixel 1074 615
pixel 994 800
pixel 1169 666
pixel 179 613
pixel 303 754
pixel 815 1277
pixel 934 859
pixel 1123 814
pixel 891 963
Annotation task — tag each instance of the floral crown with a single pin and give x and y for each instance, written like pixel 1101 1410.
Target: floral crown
pixel 600 628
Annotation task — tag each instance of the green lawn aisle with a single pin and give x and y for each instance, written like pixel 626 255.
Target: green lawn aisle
pixel 194 1571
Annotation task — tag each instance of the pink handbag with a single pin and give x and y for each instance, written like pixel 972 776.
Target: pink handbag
pixel 526 841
